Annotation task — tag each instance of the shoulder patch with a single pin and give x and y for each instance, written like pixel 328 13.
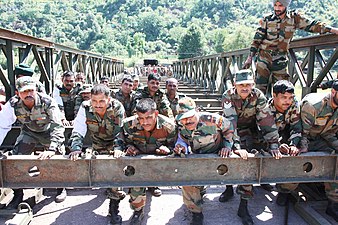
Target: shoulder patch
pixel 227 104
pixel 13 100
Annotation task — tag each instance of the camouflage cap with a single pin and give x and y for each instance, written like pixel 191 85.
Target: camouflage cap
pixel 87 88
pixel 187 108
pixel 25 83
pixel 23 70
pixel 285 3
pixel 244 77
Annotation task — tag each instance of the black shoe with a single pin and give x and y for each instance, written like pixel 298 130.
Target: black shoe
pixel 332 210
pixel 267 187
pixel 243 213
pixel 197 219
pixel 61 195
pixel 137 217
pixel 227 194
pixel 115 218
pixel 155 191
pixel 282 198
pixel 17 199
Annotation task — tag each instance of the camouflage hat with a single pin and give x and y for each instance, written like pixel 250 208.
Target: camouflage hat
pixel 244 77
pixel 25 83
pixel 87 88
pixel 285 3
pixel 23 70
pixel 187 108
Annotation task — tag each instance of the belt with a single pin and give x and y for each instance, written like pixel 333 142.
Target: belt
pixel 274 52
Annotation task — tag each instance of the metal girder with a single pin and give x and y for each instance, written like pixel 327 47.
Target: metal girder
pixel 207 169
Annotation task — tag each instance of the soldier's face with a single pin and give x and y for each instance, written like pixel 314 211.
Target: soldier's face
pixel 27 96
pixel 190 123
pixel 334 97
pixel 135 84
pixel 243 90
pixel 100 103
pixel 172 87
pixel 283 101
pixel 148 119
pixel 86 95
pixel 126 87
pixel 105 82
pixel 68 82
pixel 153 85
pixel 279 9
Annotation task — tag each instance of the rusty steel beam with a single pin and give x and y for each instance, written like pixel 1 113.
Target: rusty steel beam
pixel 209 169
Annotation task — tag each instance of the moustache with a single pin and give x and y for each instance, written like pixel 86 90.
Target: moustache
pixel 29 97
pixel 188 124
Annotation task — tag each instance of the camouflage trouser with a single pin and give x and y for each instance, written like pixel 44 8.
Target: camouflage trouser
pixel 246 191
pixel 115 193
pixel 27 141
pixel 192 198
pixel 287 187
pixel 268 64
pixel 138 198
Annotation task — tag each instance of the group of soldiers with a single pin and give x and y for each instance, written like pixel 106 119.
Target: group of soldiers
pixel 139 119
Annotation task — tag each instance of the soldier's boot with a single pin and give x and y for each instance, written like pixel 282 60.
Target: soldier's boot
pixel 137 217
pixel 267 187
pixel 61 195
pixel 197 219
pixel 244 213
pixel 114 212
pixel 155 191
pixel 332 210
pixel 282 198
pixel 227 194
pixel 17 199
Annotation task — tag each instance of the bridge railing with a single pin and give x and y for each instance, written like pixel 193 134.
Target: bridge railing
pixel 311 60
pixel 50 59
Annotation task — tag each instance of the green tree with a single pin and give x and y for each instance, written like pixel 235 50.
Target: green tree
pixel 191 44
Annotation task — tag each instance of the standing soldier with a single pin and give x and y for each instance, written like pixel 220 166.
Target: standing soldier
pixel 24 70
pixel 104 80
pixel 146 133
pixel 285 110
pixel 65 97
pixel 136 84
pixel 272 39
pixel 102 116
pixel 204 133
pixel 84 95
pixel 154 92
pixel 319 117
pixel 41 124
pixel 80 79
pixel 245 107
pixel 173 95
pixel 126 95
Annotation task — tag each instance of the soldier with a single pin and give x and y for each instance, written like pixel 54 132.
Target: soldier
pixel 285 110
pixel 65 97
pixel 126 95
pixel 146 133
pixel 205 133
pixel 245 107
pixel 24 70
pixel 41 124
pixel 102 116
pixel 154 92
pixel 136 84
pixel 84 95
pixel 80 78
pixel 272 39
pixel 173 95
pixel 104 80
pixel 319 119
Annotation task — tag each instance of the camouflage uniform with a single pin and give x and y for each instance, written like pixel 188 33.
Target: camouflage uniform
pixel 161 100
pixel 212 133
pixel 290 131
pixel 319 122
pixel 105 133
pixel 246 116
pixel 147 142
pixel 68 100
pixel 40 125
pixel 174 102
pixel 128 103
pixel 271 43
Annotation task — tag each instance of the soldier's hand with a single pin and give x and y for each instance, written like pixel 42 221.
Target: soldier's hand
pixel 75 155
pixel 179 149
pixel 247 62
pixel 118 154
pixel 242 153
pixel 66 123
pixel 224 152
pixel 132 151
pixel 334 30
pixel 276 153
pixel 284 148
pixel 163 150
pixel 46 155
pixel 294 151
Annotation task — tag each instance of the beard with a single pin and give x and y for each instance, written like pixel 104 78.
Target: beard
pixel 279 13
